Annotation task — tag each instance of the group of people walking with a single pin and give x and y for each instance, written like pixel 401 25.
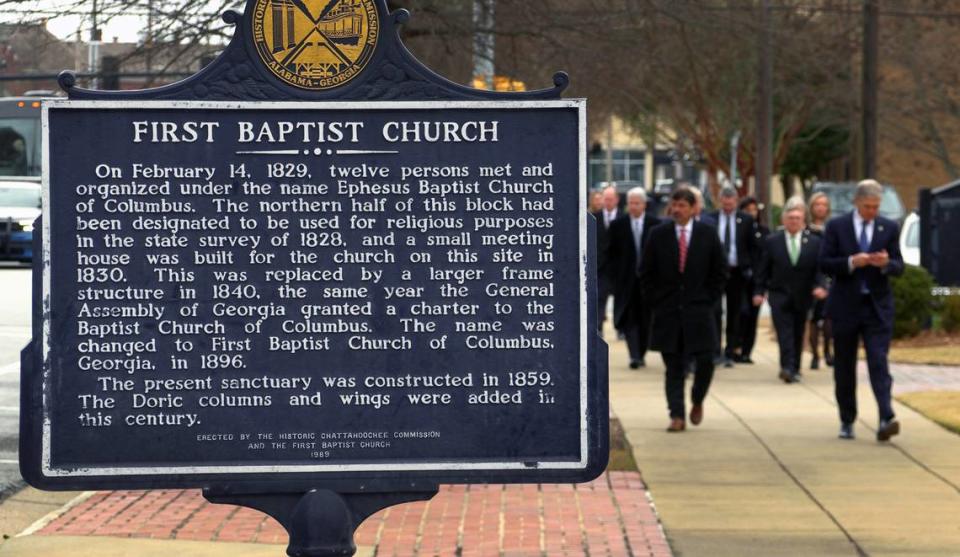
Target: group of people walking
pixel 672 277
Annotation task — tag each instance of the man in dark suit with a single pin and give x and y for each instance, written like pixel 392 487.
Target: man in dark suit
pixel 605 267
pixel 682 273
pixel 627 237
pixel 861 251
pixel 750 314
pixel 789 271
pixel 698 211
pixel 736 232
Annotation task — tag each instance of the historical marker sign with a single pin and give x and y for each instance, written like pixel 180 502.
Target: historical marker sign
pixel 314 290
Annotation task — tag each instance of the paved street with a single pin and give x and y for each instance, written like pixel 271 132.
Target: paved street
pixel 14 335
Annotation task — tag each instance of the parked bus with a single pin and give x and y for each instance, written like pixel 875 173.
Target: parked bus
pixel 20 167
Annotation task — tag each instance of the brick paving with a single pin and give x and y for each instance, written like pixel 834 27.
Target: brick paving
pixel 610 516
pixel 908 378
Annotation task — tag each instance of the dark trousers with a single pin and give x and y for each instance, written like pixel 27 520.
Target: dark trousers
pixel 876 337
pixel 820 328
pixel 604 291
pixel 734 294
pixel 790 324
pixel 637 331
pixel 676 377
pixel 749 315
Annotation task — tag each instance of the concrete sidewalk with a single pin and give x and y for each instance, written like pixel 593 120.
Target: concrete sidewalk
pixel 766 475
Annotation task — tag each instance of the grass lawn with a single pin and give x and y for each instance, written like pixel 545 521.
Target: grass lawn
pixel 943 407
pixel 621 453
pixel 931 347
pixel 946 355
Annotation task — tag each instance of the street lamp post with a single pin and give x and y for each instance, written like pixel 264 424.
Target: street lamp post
pixel 483 41
pixel 734 151
pixel 93 50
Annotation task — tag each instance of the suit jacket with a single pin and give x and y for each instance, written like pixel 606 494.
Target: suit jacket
pixel 604 269
pixel 840 242
pixel 683 304
pixel 707 219
pixel 622 255
pixel 786 282
pixel 746 240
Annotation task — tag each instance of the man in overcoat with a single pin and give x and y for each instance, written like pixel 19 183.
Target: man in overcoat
pixel 627 237
pixel 605 217
pixel 682 274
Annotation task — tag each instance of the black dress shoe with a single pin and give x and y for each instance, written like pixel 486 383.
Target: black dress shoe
pixel 846 432
pixel 634 364
pixel 815 363
pixel 829 360
pixel 786 376
pixel 887 429
pixel 745 360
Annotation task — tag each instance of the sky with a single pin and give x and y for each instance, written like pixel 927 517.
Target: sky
pixel 125 28
pixel 65 17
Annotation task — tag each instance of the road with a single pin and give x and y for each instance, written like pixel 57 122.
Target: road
pixel 14 335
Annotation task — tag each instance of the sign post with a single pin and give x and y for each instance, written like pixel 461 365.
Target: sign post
pixel 314 279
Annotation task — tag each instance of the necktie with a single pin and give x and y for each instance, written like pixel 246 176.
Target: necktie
pixel 637 243
pixel 794 252
pixel 683 248
pixel 864 248
pixel 728 236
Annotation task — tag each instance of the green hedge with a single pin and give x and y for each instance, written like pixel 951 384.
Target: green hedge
pixel 950 314
pixel 913 301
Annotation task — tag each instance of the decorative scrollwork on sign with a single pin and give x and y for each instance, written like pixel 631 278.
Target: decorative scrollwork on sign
pixel 299 51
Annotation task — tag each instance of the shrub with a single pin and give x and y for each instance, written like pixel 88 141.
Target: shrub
pixel 776 213
pixel 950 314
pixel 913 300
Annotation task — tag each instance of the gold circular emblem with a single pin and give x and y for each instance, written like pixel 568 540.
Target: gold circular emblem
pixel 315 44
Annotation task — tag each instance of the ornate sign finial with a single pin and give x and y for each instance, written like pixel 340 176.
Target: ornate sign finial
pixel 315 44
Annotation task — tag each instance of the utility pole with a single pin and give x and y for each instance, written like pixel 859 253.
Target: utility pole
pixel 483 41
pixel 871 40
pixel 148 42
pixel 93 51
pixel 609 150
pixel 764 156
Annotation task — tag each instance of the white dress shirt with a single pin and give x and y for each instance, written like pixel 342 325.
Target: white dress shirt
pixel 857 229
pixel 722 228
pixel 787 236
pixel 636 224
pixel 608 217
pixel 689 230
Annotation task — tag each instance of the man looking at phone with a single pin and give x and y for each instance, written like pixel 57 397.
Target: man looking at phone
pixel 861 251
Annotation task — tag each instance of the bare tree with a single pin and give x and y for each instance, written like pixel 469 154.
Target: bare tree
pixel 920 106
